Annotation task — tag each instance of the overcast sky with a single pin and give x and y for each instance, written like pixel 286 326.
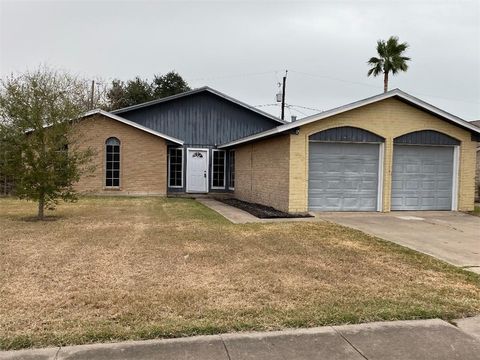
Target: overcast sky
pixel 243 47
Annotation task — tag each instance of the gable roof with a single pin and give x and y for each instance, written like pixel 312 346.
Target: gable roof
pixel 412 100
pixel 196 91
pixel 133 124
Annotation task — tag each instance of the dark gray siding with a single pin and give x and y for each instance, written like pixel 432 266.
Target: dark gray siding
pixel 201 119
pixel 347 134
pixel 426 137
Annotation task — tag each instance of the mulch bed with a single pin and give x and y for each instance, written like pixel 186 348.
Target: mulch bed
pixel 261 211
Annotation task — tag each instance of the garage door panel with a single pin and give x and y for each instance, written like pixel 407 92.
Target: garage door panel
pixel 429 185
pixel 410 169
pixel 412 201
pixel 429 169
pixel 422 177
pixel 428 201
pixel 446 201
pixel 351 202
pixel 369 184
pixel 396 201
pixel 343 177
pixel 411 185
pixel 397 185
pixel 368 202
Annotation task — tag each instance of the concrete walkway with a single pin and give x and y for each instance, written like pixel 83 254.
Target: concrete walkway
pixel 400 340
pixel 450 236
pixel 238 216
pixel 231 213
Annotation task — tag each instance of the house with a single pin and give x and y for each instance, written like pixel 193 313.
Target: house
pixel 169 145
pixel 477 171
pixel 388 152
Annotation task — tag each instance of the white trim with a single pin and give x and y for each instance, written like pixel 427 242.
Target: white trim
pixel 456 174
pixel 392 93
pixel 224 169
pixel 381 169
pixel 207 172
pixel 168 166
pixel 133 124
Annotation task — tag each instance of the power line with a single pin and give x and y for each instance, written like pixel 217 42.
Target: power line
pixel 336 79
pixel 263 105
pixel 233 76
pixel 379 87
pixel 300 112
pixel 306 108
pixel 292 107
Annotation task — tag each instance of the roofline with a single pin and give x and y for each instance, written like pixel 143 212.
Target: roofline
pixel 195 91
pixel 354 105
pixel 133 124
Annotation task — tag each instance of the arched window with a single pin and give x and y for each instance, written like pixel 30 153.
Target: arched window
pixel 112 164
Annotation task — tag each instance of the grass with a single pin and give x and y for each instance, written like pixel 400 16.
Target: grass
pixel 476 211
pixel 137 268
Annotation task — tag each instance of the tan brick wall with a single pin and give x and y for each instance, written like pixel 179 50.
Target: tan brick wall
pixel 261 172
pixel 389 118
pixel 143 157
pixel 477 175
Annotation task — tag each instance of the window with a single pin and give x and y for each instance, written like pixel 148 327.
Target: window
pixel 231 169
pixel 112 173
pixel 175 167
pixel 218 169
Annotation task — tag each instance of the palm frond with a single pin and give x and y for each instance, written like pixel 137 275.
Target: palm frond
pixel 381 48
pixel 390 57
pixel 376 70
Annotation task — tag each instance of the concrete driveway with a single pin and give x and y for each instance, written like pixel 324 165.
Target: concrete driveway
pixel 450 236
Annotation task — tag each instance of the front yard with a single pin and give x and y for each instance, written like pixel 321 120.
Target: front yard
pixel 136 268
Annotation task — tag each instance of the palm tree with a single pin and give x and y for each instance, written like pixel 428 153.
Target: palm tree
pixel 390 59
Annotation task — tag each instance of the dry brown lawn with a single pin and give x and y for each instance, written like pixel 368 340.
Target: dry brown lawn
pixel 136 268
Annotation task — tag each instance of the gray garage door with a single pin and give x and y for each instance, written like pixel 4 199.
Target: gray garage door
pixel 343 177
pixel 422 177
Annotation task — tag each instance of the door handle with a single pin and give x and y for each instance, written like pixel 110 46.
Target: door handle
pixel 205 174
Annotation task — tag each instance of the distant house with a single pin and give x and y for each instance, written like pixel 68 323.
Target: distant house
pixel 477 172
pixel 388 152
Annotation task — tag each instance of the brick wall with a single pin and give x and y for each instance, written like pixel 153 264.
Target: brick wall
pixel 143 157
pixel 477 176
pixel 262 172
pixel 389 118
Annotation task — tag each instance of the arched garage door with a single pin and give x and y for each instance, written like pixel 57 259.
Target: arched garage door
pixel 343 170
pixel 423 171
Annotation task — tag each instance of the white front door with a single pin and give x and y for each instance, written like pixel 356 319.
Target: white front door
pixel 197 170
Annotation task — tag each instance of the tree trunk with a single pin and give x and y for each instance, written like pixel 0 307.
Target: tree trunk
pixel 41 207
pixel 385 81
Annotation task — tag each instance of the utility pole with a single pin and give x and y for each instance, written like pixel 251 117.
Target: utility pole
pixel 283 94
pixel 92 94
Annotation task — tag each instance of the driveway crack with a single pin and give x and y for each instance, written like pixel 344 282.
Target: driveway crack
pixel 348 341
pixel 226 349
pixel 56 354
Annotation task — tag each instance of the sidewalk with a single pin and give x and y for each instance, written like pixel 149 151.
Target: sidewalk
pixel 399 340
